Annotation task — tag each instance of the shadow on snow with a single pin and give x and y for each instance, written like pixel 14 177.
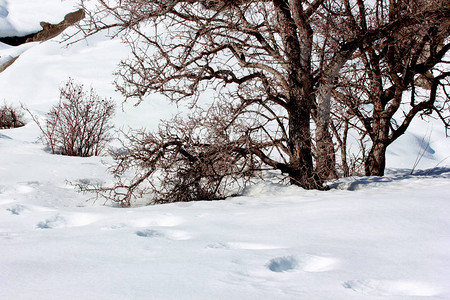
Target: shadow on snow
pixel 392 175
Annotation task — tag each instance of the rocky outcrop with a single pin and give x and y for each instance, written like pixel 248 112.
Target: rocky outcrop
pixel 7 64
pixel 48 31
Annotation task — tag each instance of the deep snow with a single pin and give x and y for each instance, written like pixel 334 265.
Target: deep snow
pixel 366 238
pixel 22 17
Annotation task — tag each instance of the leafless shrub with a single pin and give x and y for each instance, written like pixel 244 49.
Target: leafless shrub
pixel 197 158
pixel 79 124
pixel 11 117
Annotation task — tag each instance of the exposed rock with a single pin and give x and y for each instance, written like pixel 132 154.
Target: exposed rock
pixel 7 64
pixel 50 31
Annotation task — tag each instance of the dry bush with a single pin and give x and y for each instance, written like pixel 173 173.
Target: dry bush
pixel 79 124
pixel 11 117
pixel 197 158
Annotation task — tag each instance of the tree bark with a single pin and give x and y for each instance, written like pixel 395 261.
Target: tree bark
pixel 325 154
pixel 375 163
pixel 297 36
pixel 301 164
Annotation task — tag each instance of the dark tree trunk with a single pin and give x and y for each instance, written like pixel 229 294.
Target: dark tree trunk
pixel 376 160
pixel 301 160
pixel 301 163
pixel 297 36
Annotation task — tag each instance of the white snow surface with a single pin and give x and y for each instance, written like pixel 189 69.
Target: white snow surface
pixel 366 238
pixel 22 17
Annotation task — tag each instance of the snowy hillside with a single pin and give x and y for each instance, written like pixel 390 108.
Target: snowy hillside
pixel 366 238
pixel 21 17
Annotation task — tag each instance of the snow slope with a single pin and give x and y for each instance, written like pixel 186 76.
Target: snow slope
pixel 22 17
pixel 366 238
pixel 285 245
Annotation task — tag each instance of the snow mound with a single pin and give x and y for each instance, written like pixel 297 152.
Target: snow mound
pixel 22 17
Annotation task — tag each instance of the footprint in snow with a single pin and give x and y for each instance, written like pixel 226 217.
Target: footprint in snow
pixel 176 235
pixel 114 227
pixel 217 245
pixel 70 220
pixel 148 233
pixel 308 263
pixel 54 222
pixel 89 181
pixel 282 264
pixel 372 287
pixel 16 209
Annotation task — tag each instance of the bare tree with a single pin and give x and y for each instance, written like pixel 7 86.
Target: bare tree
pixel 390 82
pixel 275 60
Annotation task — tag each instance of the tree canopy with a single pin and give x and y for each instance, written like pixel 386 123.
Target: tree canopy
pixel 278 69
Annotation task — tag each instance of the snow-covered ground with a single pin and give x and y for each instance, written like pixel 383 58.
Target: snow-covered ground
pixel 366 238
pixel 22 17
